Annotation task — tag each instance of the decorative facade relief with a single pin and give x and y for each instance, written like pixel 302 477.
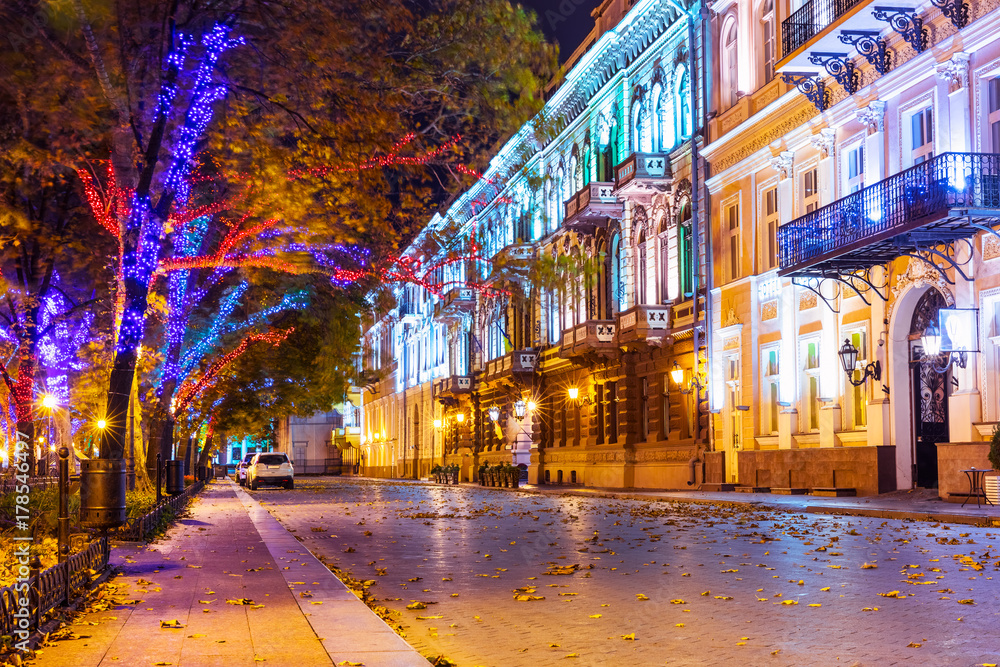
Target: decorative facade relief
pixel 991 247
pixel 919 274
pixel 824 141
pixel 769 310
pixel 782 163
pixel 955 71
pixel 807 300
pixel 873 116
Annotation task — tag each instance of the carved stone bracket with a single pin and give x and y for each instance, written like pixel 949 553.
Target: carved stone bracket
pixel 824 141
pixel 873 116
pixel 955 71
pixel 782 163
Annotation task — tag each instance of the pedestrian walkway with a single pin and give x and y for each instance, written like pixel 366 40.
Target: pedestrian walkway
pixel 228 586
pixel 918 505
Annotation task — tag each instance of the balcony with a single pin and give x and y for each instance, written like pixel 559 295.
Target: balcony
pixel 591 207
pixel 822 29
pixel 644 323
pixel 409 312
pixel 591 337
pixel 456 303
pixel 453 385
pixel 519 361
pixel 949 197
pixel 643 173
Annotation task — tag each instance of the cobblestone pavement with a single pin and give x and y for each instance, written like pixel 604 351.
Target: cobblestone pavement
pixel 693 584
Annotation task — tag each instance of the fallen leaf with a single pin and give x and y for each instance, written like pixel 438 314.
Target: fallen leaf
pixel 174 624
pixel 595 615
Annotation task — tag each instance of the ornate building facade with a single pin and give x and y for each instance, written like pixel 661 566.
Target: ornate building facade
pixel 839 195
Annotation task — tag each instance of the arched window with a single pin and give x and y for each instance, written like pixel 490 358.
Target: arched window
pixel 666 281
pixel 767 41
pixel 609 153
pixel 665 119
pixel 616 296
pixel 682 93
pixel 730 65
pixel 654 119
pixel 640 262
pixel 587 164
pixel 576 172
pixel 685 250
pixel 636 125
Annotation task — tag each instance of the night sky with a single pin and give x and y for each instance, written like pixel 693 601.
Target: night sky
pixel 564 21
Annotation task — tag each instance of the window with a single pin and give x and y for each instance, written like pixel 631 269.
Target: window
pixel 810 351
pixel 640 260
pixel 683 97
pixel 767 38
pixel 921 136
pixel 612 397
pixel 856 168
pixel 733 399
pixel 685 260
pixel 644 408
pixel 731 235
pixel 810 190
pixel 857 413
pixel 665 410
pixel 600 414
pixel 616 296
pixel 730 66
pixel 770 370
pixel 993 111
pixel 769 225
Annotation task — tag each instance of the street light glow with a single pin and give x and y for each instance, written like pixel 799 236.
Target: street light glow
pixel 574 393
pixel 101 423
pixel 437 423
pixel 460 417
pixel 49 401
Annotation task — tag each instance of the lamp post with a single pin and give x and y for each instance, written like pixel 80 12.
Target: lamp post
pixel 849 361
pixel 519 408
pixel 931 342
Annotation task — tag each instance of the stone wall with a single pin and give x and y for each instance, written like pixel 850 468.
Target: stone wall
pixel 953 458
pixel 870 470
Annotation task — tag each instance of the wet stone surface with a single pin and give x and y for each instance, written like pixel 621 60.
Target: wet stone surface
pixel 510 578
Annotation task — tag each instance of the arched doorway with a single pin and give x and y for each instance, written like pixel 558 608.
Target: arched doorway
pixel 928 393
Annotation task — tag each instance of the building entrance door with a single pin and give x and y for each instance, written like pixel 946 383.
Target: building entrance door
pixel 929 394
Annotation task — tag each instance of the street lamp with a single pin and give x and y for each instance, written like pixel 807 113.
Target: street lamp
pixel 460 417
pixel 49 401
pixel 931 341
pixel 437 423
pixel 531 406
pixel 574 393
pixel 102 424
pixel 494 413
pixel 849 361
pixel 519 408
pixel 677 374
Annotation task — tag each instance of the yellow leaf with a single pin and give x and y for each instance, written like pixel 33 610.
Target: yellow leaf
pixel 175 624
pixel 815 604
pixel 891 594
pixel 572 655
pixel 416 605
pixel 196 636
pixel 966 602
pixel 629 637
pixel 677 601
pixel 427 618
pixel 824 589
pixel 789 602
pixel 913 645
pixel 595 615
pixel 706 593
pixel 240 601
pixel 348 663
pixel 678 625
pixel 312 602
pixel 869 566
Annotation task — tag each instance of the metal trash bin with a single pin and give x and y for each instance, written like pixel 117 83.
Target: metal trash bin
pixel 102 493
pixel 175 477
pixel 220 472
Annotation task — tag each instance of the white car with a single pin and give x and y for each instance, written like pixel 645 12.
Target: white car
pixel 270 468
pixel 241 469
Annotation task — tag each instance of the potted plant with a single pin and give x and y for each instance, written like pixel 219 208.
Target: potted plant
pixel 453 473
pixel 482 474
pixel 436 471
pixel 991 482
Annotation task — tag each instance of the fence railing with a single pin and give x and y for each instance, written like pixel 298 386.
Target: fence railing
pixel 8 483
pixel 48 587
pixel 809 20
pixel 138 527
pixel 894 205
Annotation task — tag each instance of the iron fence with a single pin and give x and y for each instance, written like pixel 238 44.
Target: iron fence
pixel 137 528
pixel 48 587
pixel 9 483
pixel 809 20
pixel 909 199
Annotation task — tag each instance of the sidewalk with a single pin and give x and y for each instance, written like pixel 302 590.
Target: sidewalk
pixel 245 593
pixel 919 505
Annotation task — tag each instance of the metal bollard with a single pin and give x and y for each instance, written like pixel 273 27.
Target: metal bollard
pixel 64 519
pixel 159 470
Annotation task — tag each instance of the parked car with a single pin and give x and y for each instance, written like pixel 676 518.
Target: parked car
pixel 271 468
pixel 241 469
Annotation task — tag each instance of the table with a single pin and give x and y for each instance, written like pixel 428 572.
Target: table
pixel 976 476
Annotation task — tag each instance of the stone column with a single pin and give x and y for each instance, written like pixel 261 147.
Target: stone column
pixel 878 405
pixel 954 126
pixel 788 418
pixel 873 116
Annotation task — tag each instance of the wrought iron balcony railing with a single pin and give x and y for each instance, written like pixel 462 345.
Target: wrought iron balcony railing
pixel 809 20
pixel 935 201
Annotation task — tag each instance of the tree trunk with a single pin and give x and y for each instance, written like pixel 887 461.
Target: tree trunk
pixel 206 451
